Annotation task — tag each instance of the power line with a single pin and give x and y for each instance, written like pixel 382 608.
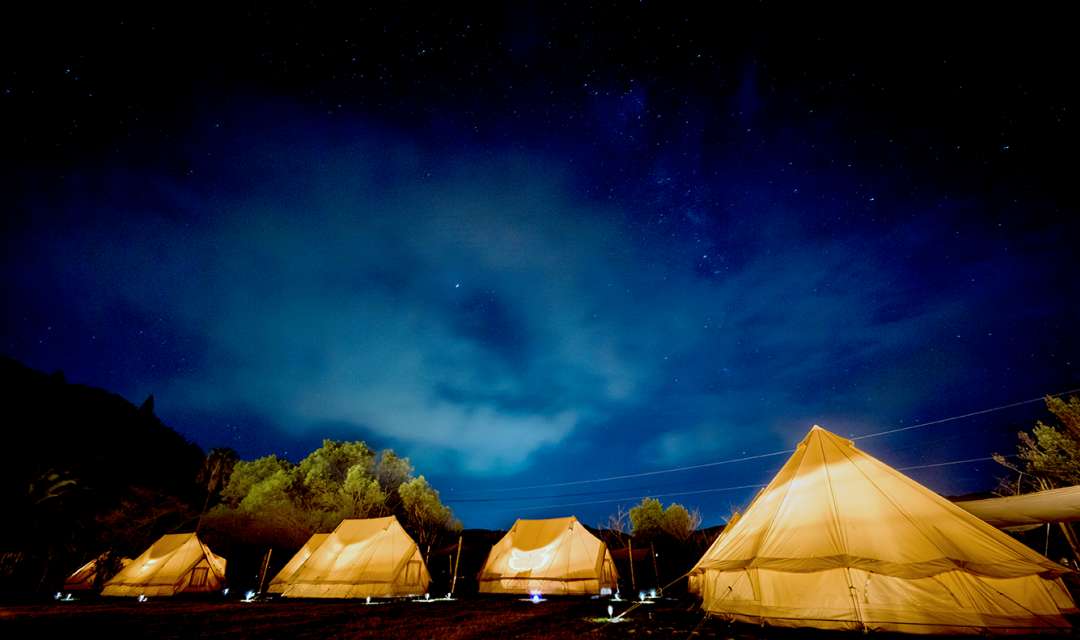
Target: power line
pixel 966 415
pixel 946 464
pixel 720 489
pixel 705 465
pixel 652 495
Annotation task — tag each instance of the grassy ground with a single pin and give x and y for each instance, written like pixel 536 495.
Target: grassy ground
pixel 476 617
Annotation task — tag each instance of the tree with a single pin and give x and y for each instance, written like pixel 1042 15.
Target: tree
pixel 650 520
pixel 392 471
pixel 617 526
pixel 270 501
pixel 215 473
pixel 247 474
pixel 324 471
pixel 647 519
pixel 364 498
pixel 1051 453
pixel 679 523
pixel 424 513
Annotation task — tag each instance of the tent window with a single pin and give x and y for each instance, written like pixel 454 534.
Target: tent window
pixel 412 572
pixel 198 577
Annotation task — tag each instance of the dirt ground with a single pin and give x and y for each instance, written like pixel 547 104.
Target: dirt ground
pixel 457 620
pixel 476 617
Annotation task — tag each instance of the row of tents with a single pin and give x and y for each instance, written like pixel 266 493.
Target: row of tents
pixel 838 540
pixel 376 558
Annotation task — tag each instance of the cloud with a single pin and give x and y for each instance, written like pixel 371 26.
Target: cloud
pixel 475 310
pixel 452 305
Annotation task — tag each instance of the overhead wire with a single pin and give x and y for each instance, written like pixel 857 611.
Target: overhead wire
pixel 722 489
pixel 705 465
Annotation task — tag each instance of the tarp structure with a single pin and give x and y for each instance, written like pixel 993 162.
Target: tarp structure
pixel 1029 509
pixel 176 563
pixel 557 556
pixel 373 557
pixel 277 585
pixel 840 540
pixel 85 577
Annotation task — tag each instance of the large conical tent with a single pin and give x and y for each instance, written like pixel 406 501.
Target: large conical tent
pixel 557 556
pixel 373 557
pixel 176 563
pixel 840 540
pixel 277 585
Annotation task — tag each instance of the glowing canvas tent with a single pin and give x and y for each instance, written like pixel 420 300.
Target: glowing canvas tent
pixel 1029 509
pixel 557 556
pixel 840 540
pixel 85 577
pixel 277 585
pixel 176 563
pixel 373 557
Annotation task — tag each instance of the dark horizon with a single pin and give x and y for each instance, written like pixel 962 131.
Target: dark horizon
pixel 533 246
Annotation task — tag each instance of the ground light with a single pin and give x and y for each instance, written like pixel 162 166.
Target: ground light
pixel 611 617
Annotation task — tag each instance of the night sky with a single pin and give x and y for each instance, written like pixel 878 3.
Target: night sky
pixel 544 244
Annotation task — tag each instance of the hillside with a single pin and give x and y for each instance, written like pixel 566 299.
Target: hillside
pixel 86 471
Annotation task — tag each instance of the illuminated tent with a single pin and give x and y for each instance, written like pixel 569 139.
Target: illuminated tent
pixel 1029 509
pixel 557 556
pixel 176 563
pixel 86 576
pixel 840 540
pixel 277 585
pixel 373 557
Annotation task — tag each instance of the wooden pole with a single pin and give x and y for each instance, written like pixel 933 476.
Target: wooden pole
pixel 265 566
pixel 457 559
pixel 655 567
pixel 630 557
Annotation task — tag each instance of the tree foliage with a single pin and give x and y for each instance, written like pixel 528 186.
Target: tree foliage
pixel 425 514
pixel 1051 452
pixel 650 520
pixel 273 502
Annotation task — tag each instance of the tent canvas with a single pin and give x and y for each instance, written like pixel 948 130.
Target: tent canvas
pixel 557 556
pixel 85 577
pixel 277 585
pixel 372 557
pixel 176 563
pixel 1029 509
pixel 840 540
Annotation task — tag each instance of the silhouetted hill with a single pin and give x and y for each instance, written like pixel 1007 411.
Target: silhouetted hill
pixel 85 471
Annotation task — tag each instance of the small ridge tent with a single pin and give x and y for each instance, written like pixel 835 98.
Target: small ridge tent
pixel 85 577
pixel 372 557
pixel 277 585
pixel 840 540
pixel 557 556
pixel 176 563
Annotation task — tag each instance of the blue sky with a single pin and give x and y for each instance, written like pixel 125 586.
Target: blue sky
pixel 609 278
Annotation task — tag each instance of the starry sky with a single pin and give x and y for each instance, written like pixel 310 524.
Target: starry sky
pixel 540 244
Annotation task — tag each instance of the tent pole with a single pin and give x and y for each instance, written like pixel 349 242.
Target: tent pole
pixel 265 566
pixel 457 559
pixel 655 567
pixel 630 557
